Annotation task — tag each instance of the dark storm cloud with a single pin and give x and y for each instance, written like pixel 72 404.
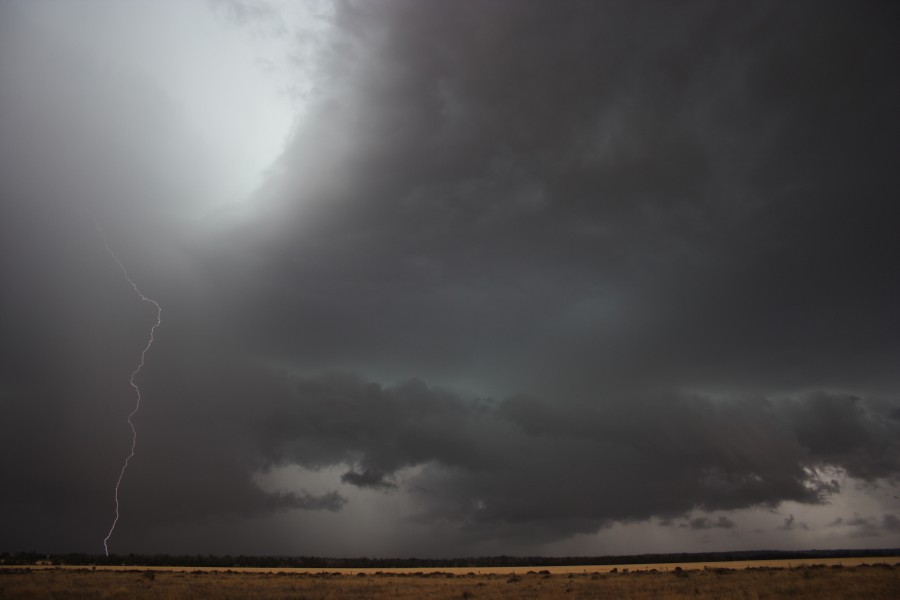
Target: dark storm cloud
pixel 642 254
pixel 523 197
pixel 840 431
pixel 368 478
pixel 528 463
pixel 523 193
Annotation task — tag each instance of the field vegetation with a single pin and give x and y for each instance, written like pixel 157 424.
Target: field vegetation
pixel 821 581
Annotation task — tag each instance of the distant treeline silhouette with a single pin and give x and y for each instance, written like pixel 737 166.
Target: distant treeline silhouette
pixel 316 562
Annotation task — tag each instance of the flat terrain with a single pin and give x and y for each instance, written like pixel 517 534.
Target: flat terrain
pixel 820 580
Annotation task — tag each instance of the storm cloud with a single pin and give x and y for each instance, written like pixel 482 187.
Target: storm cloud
pixel 523 272
pixel 527 462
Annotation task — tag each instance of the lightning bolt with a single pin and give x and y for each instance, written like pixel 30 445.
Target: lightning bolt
pixel 134 373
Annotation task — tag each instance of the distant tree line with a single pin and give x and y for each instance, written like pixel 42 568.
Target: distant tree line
pixel 317 562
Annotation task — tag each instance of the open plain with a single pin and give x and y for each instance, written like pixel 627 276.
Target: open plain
pixel 845 578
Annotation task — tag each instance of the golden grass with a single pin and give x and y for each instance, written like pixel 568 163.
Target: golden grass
pixel 566 569
pixel 808 581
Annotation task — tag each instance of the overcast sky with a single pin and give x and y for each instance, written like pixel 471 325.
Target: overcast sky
pixel 450 278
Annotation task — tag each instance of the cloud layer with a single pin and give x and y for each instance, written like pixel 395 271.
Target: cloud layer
pixel 527 270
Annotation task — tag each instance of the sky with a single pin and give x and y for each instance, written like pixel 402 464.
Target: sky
pixel 450 279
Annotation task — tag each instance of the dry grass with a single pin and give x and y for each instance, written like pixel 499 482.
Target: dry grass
pixel 821 582
pixel 565 569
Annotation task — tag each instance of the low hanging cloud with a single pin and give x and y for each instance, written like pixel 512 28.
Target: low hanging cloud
pixel 367 479
pixel 489 463
pixel 791 523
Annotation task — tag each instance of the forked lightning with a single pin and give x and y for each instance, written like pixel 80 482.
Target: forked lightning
pixel 134 373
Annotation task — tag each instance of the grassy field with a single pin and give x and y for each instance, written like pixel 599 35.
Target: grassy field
pixel 651 581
